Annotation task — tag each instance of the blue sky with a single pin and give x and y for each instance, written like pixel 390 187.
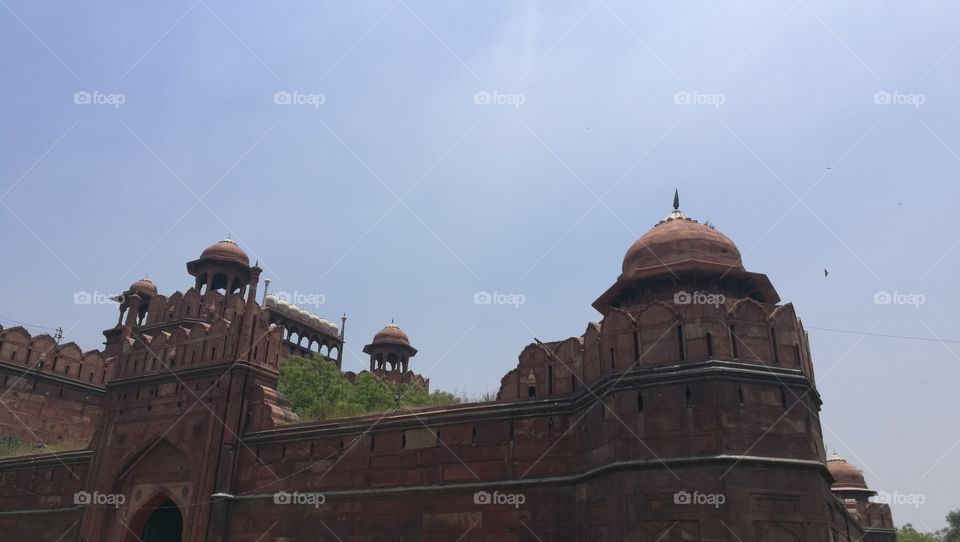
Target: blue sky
pixel 400 197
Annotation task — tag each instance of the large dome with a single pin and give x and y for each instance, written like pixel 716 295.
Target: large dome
pixel 846 475
pixel 679 238
pixel 225 251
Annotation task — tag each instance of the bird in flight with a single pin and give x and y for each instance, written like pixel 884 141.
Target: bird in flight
pixel 825 272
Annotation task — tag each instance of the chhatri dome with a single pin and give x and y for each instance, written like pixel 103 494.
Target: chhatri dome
pixel 679 238
pixel 143 286
pixel 225 251
pixel 391 334
pixel 846 475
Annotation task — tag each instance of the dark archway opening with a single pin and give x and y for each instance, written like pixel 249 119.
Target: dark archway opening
pixel 165 524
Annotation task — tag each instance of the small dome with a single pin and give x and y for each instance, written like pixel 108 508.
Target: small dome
pixel 226 251
pixel 281 303
pixel 144 286
pixel 391 334
pixel 314 319
pixel 304 313
pixel 846 475
pixel 678 238
pixel 270 300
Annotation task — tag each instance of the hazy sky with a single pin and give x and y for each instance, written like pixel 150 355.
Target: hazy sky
pixel 434 150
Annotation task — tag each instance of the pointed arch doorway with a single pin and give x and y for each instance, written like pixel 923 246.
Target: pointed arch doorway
pixel 164 524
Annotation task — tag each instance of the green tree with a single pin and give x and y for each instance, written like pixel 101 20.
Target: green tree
pixel 315 387
pixel 908 534
pixel 443 398
pixel 372 394
pixel 952 532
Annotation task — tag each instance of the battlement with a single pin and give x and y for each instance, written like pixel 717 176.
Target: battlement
pixel 42 354
pixel 657 333
pixel 148 351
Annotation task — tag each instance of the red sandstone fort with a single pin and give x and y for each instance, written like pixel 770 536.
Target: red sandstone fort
pixel 689 411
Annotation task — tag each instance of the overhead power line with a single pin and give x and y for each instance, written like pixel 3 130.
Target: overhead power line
pixel 905 337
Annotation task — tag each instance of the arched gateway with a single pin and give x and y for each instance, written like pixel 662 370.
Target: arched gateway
pixel 164 524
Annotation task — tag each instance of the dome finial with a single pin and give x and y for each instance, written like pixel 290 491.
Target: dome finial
pixel 676 213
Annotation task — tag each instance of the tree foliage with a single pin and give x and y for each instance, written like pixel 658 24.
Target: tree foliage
pixel 316 389
pixel 951 533
pixel 908 534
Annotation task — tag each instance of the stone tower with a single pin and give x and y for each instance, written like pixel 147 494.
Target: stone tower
pixel 190 373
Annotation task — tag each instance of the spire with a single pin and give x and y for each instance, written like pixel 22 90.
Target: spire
pixel 676 213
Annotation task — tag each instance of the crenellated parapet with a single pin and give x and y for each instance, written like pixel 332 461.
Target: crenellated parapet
pixel 659 333
pixel 52 393
pixel 41 354
pixel 182 347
